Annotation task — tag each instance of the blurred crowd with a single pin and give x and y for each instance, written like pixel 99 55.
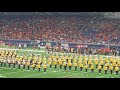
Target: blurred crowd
pixel 94 30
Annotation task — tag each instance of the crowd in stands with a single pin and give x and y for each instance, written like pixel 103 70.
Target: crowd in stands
pixel 62 29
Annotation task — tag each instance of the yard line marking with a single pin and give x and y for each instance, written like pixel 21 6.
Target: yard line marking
pixel 107 75
pixel 55 71
pixel 29 75
pixel 11 72
pixel 101 77
pixel 38 74
pixel 69 75
pixel 38 54
pixel 1 76
pixel 21 50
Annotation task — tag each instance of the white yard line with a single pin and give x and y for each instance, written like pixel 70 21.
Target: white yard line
pixel 100 76
pixel 106 76
pixel 38 74
pixel 29 75
pixel 37 54
pixel 12 72
pixel 1 76
pixel 69 75
pixel 21 50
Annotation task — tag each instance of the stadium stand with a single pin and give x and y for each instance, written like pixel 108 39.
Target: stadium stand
pixel 63 29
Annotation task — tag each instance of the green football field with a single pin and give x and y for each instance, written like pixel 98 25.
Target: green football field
pixel 50 73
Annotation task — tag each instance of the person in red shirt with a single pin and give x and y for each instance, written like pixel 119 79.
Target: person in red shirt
pixel 10 45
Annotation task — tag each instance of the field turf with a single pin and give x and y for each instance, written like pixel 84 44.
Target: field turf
pixel 50 73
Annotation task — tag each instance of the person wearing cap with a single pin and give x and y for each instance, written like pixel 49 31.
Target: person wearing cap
pixel 105 69
pixel 111 68
pixel 44 67
pixel 99 68
pixel 75 65
pixel 117 70
pixel 86 67
pixel 92 68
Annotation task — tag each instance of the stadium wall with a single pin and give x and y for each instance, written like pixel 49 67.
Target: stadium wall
pixel 71 45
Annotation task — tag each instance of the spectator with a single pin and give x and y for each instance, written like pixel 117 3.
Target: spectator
pixel 62 29
pixel 25 46
pixel 39 46
pixel 19 46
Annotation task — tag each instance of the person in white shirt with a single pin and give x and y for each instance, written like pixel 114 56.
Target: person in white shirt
pixel 19 46
pixel 39 46
pixel 25 46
